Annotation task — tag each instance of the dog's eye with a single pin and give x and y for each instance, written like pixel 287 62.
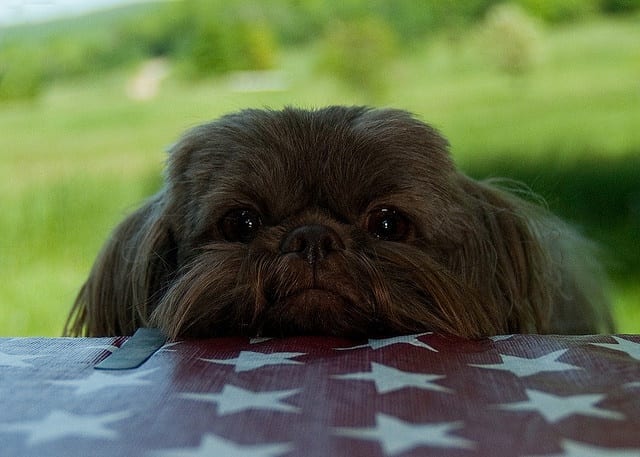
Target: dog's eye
pixel 240 225
pixel 388 224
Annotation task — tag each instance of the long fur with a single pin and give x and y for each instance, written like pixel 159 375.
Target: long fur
pixel 479 260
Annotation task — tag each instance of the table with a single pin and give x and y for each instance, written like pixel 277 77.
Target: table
pixel 416 395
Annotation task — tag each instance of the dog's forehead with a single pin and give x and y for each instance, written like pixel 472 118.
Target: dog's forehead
pixel 339 158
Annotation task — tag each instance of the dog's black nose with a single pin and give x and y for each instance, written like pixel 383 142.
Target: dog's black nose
pixel 311 242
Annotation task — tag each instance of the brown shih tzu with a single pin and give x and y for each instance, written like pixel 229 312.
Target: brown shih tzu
pixel 343 221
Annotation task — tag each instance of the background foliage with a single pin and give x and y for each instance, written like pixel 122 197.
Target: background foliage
pixel 546 92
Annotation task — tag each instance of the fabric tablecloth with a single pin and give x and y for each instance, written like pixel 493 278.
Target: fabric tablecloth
pixel 417 395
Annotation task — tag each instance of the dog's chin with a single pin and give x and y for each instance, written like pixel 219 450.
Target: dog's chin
pixel 316 312
pixel 317 299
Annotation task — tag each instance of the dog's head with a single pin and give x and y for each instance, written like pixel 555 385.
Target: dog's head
pixel 340 221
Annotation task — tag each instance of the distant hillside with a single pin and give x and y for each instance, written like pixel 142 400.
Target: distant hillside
pixel 86 23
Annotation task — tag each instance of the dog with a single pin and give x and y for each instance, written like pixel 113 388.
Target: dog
pixel 341 221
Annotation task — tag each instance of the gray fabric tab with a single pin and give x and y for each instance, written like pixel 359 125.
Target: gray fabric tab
pixel 135 351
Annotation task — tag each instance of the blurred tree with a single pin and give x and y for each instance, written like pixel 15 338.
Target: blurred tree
pixel 619 6
pixel 21 73
pixel 358 52
pixel 560 10
pixel 511 38
pixel 224 38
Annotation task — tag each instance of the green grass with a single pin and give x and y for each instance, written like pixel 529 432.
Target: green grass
pixel 77 160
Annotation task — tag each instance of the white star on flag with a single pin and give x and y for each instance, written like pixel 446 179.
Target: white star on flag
pixel 522 366
pixel 248 360
pixel 575 449
pixel 555 408
pixel 234 399
pixel 61 424
pixel 99 380
pixel 397 436
pixel 388 379
pixel 631 348
pixel 16 361
pixel 212 445
pixel 384 342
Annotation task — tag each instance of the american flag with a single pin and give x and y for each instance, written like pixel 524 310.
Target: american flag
pixel 416 395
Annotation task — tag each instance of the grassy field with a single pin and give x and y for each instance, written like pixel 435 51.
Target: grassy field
pixel 83 155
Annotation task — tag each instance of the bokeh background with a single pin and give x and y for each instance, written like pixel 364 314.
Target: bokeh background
pixel 543 91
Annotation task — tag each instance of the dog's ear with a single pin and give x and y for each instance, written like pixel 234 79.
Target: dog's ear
pixel 129 276
pixel 506 257
pixel 533 273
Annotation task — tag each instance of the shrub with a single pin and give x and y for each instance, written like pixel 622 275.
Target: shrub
pixel 358 52
pixel 21 73
pixel 511 39
pixel 215 49
pixel 554 11
pixel 619 6
pixel 219 37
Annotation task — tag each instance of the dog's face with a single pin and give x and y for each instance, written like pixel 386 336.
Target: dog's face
pixel 331 222
pixel 344 221
pixel 341 221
